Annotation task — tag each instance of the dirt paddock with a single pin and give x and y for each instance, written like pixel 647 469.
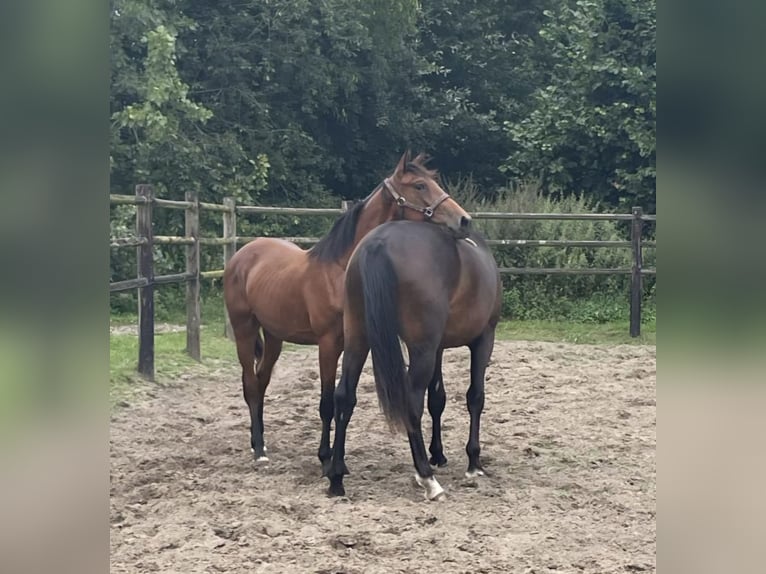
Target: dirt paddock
pixel 568 437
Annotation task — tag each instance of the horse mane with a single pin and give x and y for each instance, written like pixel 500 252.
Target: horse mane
pixel 340 238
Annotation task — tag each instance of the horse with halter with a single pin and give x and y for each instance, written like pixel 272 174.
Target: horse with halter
pixel 290 294
pixel 420 285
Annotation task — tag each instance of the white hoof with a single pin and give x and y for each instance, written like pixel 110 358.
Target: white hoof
pixel 434 491
pixel 260 458
pixel 474 473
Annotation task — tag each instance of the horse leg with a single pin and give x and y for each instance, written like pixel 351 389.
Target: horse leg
pixel 254 383
pixel 246 335
pixel 419 375
pixel 330 349
pixel 345 401
pixel 437 398
pixel 481 350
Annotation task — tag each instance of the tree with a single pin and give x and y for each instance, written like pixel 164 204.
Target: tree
pixel 475 77
pixel 159 134
pixel 593 124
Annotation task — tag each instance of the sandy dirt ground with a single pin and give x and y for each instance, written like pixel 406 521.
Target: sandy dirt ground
pixel 568 437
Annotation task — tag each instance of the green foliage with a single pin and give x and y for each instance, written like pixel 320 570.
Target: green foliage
pixel 320 86
pixel 288 100
pixel 474 78
pixel 298 102
pixel 592 124
pixel 164 103
pixel 584 298
pixel 159 134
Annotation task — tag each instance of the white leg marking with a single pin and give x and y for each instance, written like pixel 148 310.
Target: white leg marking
pixel 434 491
pixel 474 473
pixel 260 458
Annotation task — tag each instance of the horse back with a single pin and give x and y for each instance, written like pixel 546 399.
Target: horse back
pixel 275 281
pixel 447 287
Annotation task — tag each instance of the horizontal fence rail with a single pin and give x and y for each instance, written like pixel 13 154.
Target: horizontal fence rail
pixel 573 271
pixel 504 242
pixel 245 209
pixel 144 240
pixel 561 216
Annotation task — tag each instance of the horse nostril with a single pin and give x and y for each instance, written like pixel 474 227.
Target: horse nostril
pixel 465 221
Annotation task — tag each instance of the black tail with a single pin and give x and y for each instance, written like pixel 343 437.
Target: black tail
pixel 380 287
pixel 258 345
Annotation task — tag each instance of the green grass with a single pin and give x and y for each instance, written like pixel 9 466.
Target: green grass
pixel 170 358
pixel 614 333
pixel 169 352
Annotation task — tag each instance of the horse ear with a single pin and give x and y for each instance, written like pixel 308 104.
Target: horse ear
pixel 422 159
pixel 403 161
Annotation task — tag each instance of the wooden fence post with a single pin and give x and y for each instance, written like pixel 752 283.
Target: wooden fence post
pixel 229 249
pixel 145 264
pixel 636 290
pixel 193 284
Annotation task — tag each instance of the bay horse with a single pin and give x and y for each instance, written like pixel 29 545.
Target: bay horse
pixel 294 295
pixel 415 283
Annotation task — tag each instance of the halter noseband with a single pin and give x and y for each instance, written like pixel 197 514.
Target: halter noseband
pixel 401 201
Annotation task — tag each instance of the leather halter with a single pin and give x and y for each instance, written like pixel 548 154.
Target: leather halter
pixel 401 201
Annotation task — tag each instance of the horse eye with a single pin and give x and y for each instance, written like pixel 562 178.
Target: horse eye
pixel 420 186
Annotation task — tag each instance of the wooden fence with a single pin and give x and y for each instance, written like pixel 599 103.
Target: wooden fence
pixel 146 280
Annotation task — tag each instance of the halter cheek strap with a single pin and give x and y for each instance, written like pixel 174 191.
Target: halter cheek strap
pixel 401 201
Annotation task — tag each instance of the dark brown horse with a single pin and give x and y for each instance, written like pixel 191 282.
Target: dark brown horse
pixel 433 291
pixel 297 296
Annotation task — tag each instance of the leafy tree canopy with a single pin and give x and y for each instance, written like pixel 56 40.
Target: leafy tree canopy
pixel 303 101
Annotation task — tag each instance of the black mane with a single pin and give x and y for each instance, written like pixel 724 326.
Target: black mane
pixel 335 244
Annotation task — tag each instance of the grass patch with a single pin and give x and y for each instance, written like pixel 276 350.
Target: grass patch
pixel 170 358
pixel 614 333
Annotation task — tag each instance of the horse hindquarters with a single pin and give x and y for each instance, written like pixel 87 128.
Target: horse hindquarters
pixel 401 395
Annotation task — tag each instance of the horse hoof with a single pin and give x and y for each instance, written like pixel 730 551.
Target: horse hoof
pixel 434 491
pixel 336 489
pixel 476 472
pixel 260 459
pixel 440 462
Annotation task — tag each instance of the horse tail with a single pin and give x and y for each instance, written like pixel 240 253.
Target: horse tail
pixel 380 288
pixel 258 344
